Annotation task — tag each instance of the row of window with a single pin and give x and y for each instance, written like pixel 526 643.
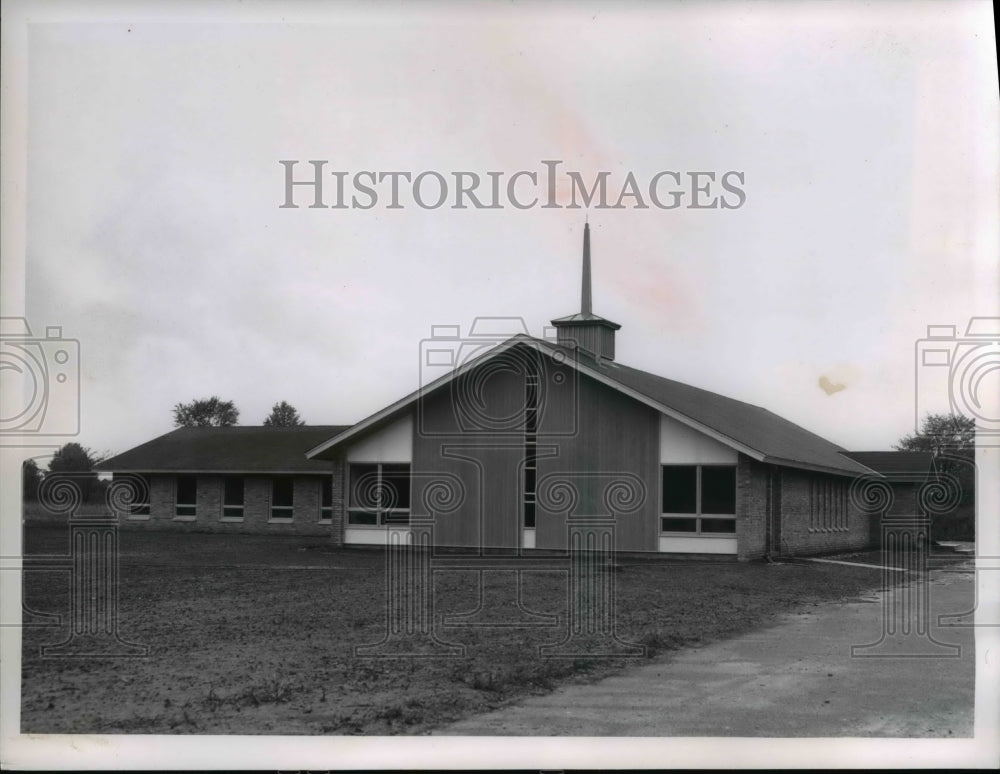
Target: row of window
pixel 699 499
pixel 696 499
pixel 282 498
pixel 828 505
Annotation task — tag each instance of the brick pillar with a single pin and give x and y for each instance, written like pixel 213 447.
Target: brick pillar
pixel 338 500
pixel 751 508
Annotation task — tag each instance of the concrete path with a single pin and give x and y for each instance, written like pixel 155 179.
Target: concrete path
pixel 794 679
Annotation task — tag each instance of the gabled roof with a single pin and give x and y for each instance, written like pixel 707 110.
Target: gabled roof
pixel 744 427
pixel 241 449
pixel 891 463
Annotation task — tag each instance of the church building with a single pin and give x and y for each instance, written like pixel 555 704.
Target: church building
pixel 511 440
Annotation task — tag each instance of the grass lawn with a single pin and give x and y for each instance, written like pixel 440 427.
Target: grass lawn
pixel 255 635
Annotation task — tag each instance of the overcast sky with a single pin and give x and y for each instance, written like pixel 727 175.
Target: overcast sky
pixel 866 137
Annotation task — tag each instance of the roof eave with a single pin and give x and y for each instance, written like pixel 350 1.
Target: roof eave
pixel 787 463
pixel 214 472
pixel 567 322
pixel 393 408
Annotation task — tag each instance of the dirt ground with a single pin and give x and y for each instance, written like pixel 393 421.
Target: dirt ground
pixel 256 635
pixel 831 671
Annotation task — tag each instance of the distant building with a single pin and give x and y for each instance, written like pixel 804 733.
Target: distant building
pixel 697 472
pixel 905 471
pixel 239 479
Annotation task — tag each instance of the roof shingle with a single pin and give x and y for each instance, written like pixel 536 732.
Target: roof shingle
pixel 895 462
pixel 777 439
pixel 241 449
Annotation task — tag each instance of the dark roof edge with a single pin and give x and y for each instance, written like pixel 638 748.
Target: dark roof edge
pixel 225 472
pixel 771 460
pixel 568 322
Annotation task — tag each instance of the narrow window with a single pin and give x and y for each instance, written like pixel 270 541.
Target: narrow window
pixel 395 492
pixel 232 497
pixel 812 505
pixel 529 498
pixel 716 526
pixel 718 490
pixel 680 489
pixel 826 504
pixel 675 524
pixel 141 505
pixel 828 511
pixel 326 499
pixel 282 498
pixel 187 496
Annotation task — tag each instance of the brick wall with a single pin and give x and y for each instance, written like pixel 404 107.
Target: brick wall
pixel 751 508
pixel 801 535
pixel 256 507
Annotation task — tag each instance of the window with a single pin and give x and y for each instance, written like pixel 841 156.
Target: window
pixel 379 494
pixel 140 508
pixel 232 498
pixel 699 499
pixel 282 498
pixel 530 449
pixel 827 504
pixel 680 489
pixel 186 497
pixel 326 499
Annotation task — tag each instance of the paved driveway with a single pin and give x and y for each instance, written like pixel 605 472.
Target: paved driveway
pixel 794 679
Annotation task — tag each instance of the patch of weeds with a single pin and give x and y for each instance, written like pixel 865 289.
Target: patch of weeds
pixel 658 642
pixel 270 692
pixel 184 720
pixel 485 680
pixel 390 713
pixel 505 679
pixel 138 724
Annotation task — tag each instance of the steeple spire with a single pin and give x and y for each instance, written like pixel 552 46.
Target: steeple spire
pixel 585 329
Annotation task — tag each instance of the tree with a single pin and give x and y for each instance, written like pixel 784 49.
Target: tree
pixel 207 412
pixel 951 439
pixel 283 415
pixel 939 432
pixel 73 459
pixel 32 478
